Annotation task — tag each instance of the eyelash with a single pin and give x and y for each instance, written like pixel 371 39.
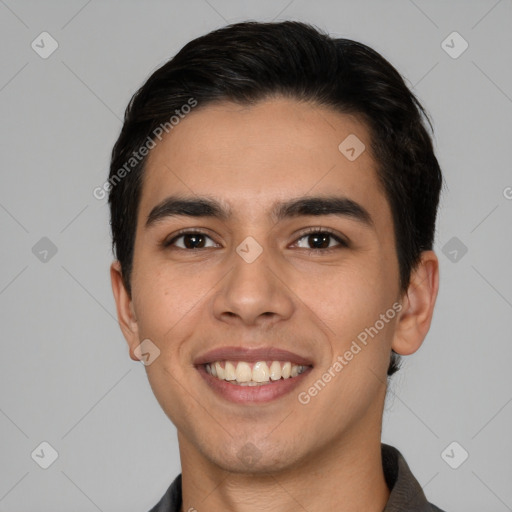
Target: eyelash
pixel 166 244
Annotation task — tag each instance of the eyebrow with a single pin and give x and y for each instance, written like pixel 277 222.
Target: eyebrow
pixel 175 206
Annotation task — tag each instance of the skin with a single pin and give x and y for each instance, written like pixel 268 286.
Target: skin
pixel 321 456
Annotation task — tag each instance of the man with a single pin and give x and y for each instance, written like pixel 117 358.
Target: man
pixel 273 198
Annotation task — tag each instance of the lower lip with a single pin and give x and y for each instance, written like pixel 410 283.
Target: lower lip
pixel 252 394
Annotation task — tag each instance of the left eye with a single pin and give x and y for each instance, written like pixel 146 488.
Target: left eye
pixel 321 240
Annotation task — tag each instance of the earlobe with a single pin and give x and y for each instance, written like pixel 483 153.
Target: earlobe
pixel 125 309
pixel 418 306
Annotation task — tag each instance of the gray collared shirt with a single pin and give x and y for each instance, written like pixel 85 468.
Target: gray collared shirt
pixel 406 493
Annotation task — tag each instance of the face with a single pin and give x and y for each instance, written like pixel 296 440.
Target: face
pixel 292 260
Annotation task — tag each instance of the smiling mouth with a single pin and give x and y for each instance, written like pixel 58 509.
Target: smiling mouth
pixel 260 373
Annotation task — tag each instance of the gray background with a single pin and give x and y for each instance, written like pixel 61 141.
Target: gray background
pixel 65 374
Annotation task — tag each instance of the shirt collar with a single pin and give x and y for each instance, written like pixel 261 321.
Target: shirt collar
pixel 406 493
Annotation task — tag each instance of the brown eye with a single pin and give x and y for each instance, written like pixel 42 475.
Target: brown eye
pixel 321 240
pixel 191 240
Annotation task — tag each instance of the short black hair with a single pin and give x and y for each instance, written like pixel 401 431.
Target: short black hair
pixel 252 61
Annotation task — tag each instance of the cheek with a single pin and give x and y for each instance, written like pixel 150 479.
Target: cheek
pixel 348 296
pixel 164 297
pixel 353 304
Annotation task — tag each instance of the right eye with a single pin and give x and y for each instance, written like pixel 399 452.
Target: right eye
pixel 193 240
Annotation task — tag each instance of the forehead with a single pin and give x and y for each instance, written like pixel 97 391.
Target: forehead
pixel 252 156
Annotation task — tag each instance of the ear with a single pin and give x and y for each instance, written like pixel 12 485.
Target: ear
pixel 125 312
pixel 417 306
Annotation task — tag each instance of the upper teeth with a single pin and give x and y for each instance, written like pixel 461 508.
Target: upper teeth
pixel 250 374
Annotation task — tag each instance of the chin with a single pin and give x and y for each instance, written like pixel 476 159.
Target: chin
pixel 253 457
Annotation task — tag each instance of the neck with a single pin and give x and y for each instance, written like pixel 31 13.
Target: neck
pixel 346 476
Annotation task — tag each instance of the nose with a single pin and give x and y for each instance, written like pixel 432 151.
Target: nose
pixel 254 293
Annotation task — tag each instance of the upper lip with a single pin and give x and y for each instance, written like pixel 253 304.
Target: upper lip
pixel 251 355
